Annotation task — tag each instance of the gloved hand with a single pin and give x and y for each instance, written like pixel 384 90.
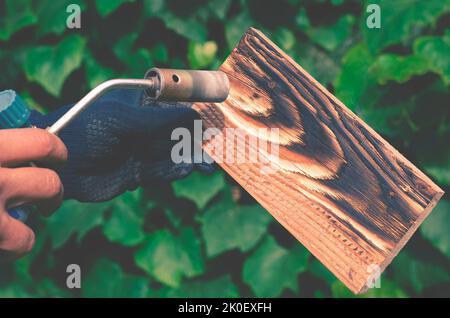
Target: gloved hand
pixel 120 142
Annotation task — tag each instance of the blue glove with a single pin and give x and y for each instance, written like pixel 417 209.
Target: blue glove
pixel 120 142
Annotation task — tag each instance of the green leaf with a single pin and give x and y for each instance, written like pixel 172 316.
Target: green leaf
pixel 226 226
pixel 416 275
pixel 23 265
pixel 74 218
pixel 440 173
pixel 124 47
pixel 436 51
pixel 221 287
pixel 219 8
pixel 125 224
pixel 355 80
pixel 52 15
pixel 331 37
pixel 199 187
pixel 189 27
pixel 50 66
pixel 235 28
pixel 106 279
pixel 160 53
pixel 272 268
pixel 138 60
pixel 106 7
pixel 398 68
pixel 384 119
pixel 95 72
pixel 302 20
pixel 201 55
pixel 284 38
pixel 436 227
pixel 402 21
pixel 388 289
pixel 15 291
pixel 320 271
pixel 18 15
pixel 48 288
pixel 169 258
pixel 153 8
pixel 316 62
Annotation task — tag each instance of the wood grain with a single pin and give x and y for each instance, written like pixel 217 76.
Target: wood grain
pixel 340 188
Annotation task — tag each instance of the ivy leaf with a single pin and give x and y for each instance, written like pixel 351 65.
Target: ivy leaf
pixel 160 53
pixel 402 21
pixel 302 20
pixel 106 7
pixel 74 218
pixel 124 47
pixel 441 173
pixel 316 62
pixel 384 119
pixel 125 224
pixel 221 287
pixel 52 15
pixel 15 291
pixel 235 28
pixel 435 50
pixel 18 15
pixel 137 60
pixel 398 68
pixel 169 258
pixel 201 55
pixel 284 38
pixel 50 66
pixel 189 27
pixel 436 227
pixel 106 279
pixel 95 72
pixel 154 8
pixel 23 265
pixel 320 271
pixel 388 289
pixel 272 268
pixel 199 187
pixel 219 8
pixel 331 37
pixel 226 226
pixel 355 79
pixel 48 288
pixel 416 275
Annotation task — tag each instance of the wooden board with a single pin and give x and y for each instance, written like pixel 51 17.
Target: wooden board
pixel 339 188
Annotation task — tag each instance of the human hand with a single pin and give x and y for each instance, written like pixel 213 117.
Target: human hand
pixel 119 143
pixel 27 185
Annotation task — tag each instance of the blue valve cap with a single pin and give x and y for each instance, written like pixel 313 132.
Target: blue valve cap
pixel 14 113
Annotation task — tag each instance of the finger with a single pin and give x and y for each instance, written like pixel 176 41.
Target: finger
pixel 16 239
pixel 29 186
pixel 31 144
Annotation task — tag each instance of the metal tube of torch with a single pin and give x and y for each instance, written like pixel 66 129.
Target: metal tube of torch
pixel 159 84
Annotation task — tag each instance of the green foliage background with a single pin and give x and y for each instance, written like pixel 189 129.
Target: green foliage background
pixel 203 235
